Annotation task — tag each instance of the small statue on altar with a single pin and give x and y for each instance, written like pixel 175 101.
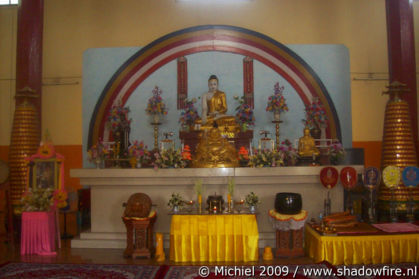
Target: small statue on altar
pixel 121 136
pixel 214 151
pixel 214 107
pixel 307 146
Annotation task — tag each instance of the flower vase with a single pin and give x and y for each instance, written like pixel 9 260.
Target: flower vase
pixel 323 134
pixel 176 209
pixel 252 209
pixel 156 118
pixel 98 162
pixel 315 132
pixel 277 115
pixel 138 164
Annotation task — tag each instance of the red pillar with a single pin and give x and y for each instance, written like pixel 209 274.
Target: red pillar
pixel 29 48
pixel 401 52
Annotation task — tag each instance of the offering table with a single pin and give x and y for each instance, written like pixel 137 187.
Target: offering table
pixel 214 238
pixel 365 248
pixel 110 188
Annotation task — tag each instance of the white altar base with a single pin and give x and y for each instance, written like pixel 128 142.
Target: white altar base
pixel 110 188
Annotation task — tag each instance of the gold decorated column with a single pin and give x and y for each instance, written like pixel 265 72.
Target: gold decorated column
pixel 24 141
pixel 398 146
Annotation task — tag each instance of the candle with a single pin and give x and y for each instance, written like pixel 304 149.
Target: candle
pixel 199 198
pixel 215 209
pixel 228 198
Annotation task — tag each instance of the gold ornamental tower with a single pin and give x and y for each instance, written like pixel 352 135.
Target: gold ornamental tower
pixel 398 147
pixel 24 141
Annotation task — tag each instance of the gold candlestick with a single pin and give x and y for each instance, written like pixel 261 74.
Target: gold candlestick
pixel 276 122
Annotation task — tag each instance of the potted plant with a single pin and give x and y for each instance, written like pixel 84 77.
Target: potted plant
pixel 43 199
pixel 290 153
pixel 316 119
pixel 189 114
pixel 97 153
pixel 175 202
pixel 170 158
pixel 336 153
pixel 266 158
pixel 276 102
pixel 252 200
pixel 138 151
pixel 244 113
pixel 243 157
pixel 156 107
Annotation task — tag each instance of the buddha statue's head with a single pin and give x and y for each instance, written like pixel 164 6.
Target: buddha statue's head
pixel 213 83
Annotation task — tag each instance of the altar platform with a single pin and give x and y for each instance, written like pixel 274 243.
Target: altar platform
pixel 110 188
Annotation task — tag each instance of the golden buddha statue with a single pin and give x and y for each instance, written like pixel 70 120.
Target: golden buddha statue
pixel 214 151
pixel 214 108
pixel 307 146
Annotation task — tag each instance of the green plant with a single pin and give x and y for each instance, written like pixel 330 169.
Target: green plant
pixel 169 158
pixel 40 199
pixel 198 187
pixel 251 199
pixel 175 200
pixel 336 152
pixel 266 158
pixel 231 185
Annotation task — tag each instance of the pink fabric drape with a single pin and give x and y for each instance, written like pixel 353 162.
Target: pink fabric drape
pixel 38 233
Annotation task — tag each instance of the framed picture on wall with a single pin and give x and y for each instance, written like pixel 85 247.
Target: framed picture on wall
pixel 45 173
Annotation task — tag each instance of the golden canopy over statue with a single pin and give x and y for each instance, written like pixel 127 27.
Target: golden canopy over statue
pixel 214 108
pixel 214 151
pixel 307 145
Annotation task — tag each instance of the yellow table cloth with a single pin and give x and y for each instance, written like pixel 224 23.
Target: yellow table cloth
pixel 365 249
pixel 211 238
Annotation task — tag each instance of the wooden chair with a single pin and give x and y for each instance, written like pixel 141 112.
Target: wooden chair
pixel 6 211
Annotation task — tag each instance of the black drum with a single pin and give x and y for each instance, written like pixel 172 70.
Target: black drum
pixel 288 203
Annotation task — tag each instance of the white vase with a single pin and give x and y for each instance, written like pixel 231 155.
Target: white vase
pixel 176 209
pixel 323 141
pixel 277 115
pixel 252 209
pixel 156 118
pixel 138 166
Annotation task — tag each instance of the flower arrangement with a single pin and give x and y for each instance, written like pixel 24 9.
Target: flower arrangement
pixel 98 151
pixel 118 115
pixel 169 158
pixel 244 112
pixel 251 199
pixel 186 153
pixel 243 156
pixel 276 102
pixel 175 200
pixel 290 153
pixel 315 114
pixel 189 114
pixel 43 199
pixel 155 105
pixel 336 152
pixel 266 158
pixel 139 151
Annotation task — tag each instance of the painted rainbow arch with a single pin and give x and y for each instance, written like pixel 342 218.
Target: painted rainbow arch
pixel 211 38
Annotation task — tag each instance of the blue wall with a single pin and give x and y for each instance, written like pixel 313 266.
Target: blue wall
pixel 330 62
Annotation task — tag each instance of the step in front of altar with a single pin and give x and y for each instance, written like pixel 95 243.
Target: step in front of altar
pixel 119 240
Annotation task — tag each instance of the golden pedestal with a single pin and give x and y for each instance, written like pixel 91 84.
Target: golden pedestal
pixel 398 148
